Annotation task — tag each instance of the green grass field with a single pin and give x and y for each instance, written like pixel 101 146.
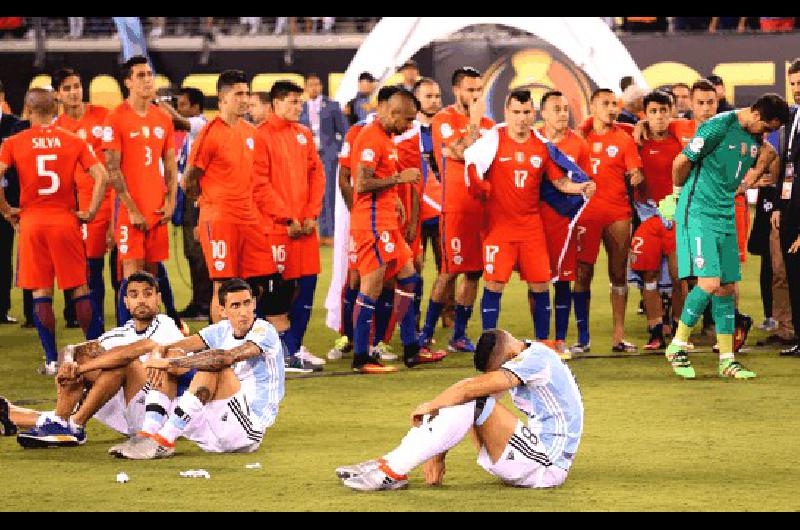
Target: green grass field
pixel 651 441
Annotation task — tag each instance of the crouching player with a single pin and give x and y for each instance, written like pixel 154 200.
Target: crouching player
pixel 234 396
pixel 105 376
pixel 536 455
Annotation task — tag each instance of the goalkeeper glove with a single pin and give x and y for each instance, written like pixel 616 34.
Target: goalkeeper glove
pixel 667 205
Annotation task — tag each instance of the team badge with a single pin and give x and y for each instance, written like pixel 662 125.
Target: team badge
pixel 490 268
pixel 447 130
pixel 385 237
pixel 612 151
pixel 281 267
pixel 520 157
pixel 159 132
pixel 753 151
pixel 536 162
pixel 97 131
pixel 597 147
pixel 368 155
pixel 219 265
pixel 301 139
pixel 699 261
pixel 123 248
pixel 458 260
pixel 697 144
pixel 82 134
pixel 251 144
pixel 389 248
pixel 345 150
pixel 146 131
pixel 108 133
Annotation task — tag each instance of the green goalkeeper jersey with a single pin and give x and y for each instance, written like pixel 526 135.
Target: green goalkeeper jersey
pixel 721 152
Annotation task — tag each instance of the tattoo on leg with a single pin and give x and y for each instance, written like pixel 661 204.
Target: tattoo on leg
pixel 203 394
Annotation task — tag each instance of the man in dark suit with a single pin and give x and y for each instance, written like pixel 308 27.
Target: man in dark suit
pixel 787 218
pixel 9 125
pixel 325 119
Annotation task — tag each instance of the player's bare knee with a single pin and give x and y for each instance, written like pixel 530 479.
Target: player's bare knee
pixel 620 290
pixel 495 287
pixel 709 285
pixel 725 289
pixel 203 394
pixel 538 287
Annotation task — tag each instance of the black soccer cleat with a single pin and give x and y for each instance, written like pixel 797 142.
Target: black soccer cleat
pixel 7 428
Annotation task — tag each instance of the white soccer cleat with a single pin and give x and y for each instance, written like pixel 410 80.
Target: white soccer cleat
pixel 147 449
pixel 50 368
pixel 309 357
pixel 345 472
pixel 340 347
pixel 375 479
pixel 120 449
pixel 383 351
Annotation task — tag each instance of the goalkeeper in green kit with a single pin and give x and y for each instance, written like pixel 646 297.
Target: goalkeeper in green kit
pixel 706 176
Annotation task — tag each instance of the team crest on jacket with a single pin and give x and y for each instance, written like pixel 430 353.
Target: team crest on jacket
pixel 97 131
pixel 700 262
pixel 159 132
pixel 368 155
pixel 447 130
pixel 753 151
pixel 251 144
pixel 612 151
pixel 536 162
pixel 301 139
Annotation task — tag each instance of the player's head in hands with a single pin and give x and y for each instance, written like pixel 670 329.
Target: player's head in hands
pixel 604 106
pixel 142 296
pixel 658 111
pixel 69 89
pixel 398 111
pixel 233 92
pixel 238 304
pixel 495 347
pixel 554 108
pixel 287 100
pixel 467 86
pixel 704 100
pixel 519 113
pixel 40 106
pixel 138 78
pixel 768 113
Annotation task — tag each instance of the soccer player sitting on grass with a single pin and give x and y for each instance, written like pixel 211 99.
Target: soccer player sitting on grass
pixel 536 455
pixel 106 377
pixel 707 175
pixel 234 396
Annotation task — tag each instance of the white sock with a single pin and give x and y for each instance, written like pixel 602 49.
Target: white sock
pixel 74 427
pixel 157 406
pixel 432 438
pixel 188 406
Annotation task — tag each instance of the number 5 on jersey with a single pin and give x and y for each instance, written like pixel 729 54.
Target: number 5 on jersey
pixel 41 160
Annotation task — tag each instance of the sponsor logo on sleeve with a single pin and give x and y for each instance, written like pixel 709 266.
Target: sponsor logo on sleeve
pixel 696 144
pixel 447 130
pixel 301 139
pixel 251 144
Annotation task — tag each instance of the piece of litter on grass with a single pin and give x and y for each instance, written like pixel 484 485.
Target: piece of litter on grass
pixel 195 473
pixel 257 465
pixel 122 478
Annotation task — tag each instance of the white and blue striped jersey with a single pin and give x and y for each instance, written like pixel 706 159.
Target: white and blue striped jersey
pixel 161 330
pixel 550 397
pixel 262 377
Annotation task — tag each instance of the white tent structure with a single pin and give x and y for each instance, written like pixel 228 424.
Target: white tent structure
pixel 587 41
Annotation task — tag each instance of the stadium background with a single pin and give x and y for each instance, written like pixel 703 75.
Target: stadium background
pixel 651 442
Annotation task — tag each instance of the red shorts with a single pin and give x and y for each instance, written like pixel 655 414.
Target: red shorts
pixel 234 250
pixel 151 246
pixel 651 242
pixel 529 257
pixel 462 242
pixel 304 256
pixel 49 251
pixel 367 253
pixel 742 227
pixel 591 224
pixel 556 229
pixel 94 234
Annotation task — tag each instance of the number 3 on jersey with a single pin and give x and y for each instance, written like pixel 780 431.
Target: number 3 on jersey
pixel 41 160
pixel 148 155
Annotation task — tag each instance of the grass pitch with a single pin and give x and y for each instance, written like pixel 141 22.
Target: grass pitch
pixel 651 441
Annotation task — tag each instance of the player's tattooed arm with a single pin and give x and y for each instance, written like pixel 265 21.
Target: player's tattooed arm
pixel 171 180
pixel 191 182
pixel 346 187
pixel 456 149
pixel 100 176
pixel 681 167
pixel 565 185
pixel 204 361
pixel 368 182
pixel 116 357
pixel 117 181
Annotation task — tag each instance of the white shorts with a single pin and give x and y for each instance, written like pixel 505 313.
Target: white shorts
pixel 524 463
pixel 126 419
pixel 226 426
